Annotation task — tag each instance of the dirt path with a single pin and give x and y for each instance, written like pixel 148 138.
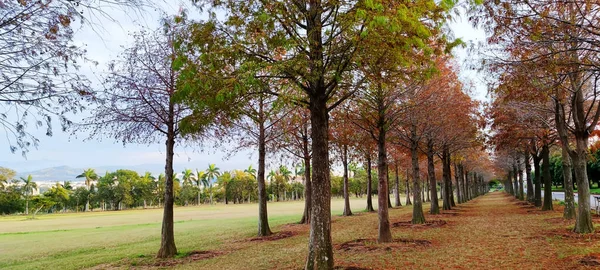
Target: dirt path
pixel 494 231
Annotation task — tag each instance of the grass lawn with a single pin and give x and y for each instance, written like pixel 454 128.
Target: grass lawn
pixel 494 231
pixel 592 190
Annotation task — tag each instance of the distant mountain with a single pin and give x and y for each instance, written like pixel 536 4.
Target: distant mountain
pixel 66 173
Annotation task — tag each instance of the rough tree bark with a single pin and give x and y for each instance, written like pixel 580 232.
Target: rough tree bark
pixel 435 207
pixel 417 217
pixel 167 241
pixel 537 180
pixel 263 218
pixel 447 181
pixel 385 234
pixel 520 177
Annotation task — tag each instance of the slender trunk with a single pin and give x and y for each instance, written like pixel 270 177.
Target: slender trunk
pixel 457 174
pixel 547 178
pixel 520 174
pixel 385 234
pixel 263 218
pixel 347 211
pixel 408 202
pixel 515 180
pixel 446 177
pixel 530 196
pixel 537 181
pixel 397 186
pixel 307 188
pixel 167 244
pixel 320 248
pixel 435 206
pixel 369 186
pixel 569 211
pixel 417 217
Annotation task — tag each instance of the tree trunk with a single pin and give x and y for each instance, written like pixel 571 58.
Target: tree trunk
pixel 457 175
pixel 369 186
pixel 520 177
pixel 547 178
pixel 263 217
pixel 307 188
pixel 167 243
pixel 397 186
pixel 408 202
pixel 537 181
pixel 446 177
pixel 385 234
pixel 347 211
pixel 530 196
pixel 569 211
pixel 320 248
pixel 516 180
pixel 435 206
pixel 417 217
pixel 583 222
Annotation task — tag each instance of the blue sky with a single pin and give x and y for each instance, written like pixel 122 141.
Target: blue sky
pixel 105 44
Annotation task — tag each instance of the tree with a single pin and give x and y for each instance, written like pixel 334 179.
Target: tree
pixel 28 187
pixel 40 79
pixel 6 175
pixel 89 175
pixel 211 173
pixel 200 179
pixel 138 106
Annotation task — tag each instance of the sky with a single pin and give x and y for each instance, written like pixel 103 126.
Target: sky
pixel 104 43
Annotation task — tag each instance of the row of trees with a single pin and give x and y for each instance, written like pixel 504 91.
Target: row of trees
pixel 323 81
pixel 127 189
pixel 546 70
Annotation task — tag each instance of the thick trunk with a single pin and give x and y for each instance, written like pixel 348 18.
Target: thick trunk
pixel 385 234
pixel 530 196
pixel 547 205
pixel 569 211
pixel 466 185
pixel 263 218
pixel 583 222
pixel 320 248
pixel 167 243
pixel 347 211
pixel 397 186
pixel 435 207
pixel 369 185
pixel 417 217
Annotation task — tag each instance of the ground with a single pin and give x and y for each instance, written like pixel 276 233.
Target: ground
pixel 493 231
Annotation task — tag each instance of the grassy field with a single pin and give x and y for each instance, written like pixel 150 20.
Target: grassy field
pixel 494 231
pixel 79 240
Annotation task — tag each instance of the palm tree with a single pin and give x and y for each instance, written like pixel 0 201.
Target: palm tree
pixel 251 171
pixel 287 175
pixel 211 173
pixel 90 175
pixel 187 177
pixel 28 188
pixel 160 187
pixel 200 178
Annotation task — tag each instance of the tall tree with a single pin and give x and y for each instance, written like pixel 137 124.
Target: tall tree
pixel 89 175
pixel 28 187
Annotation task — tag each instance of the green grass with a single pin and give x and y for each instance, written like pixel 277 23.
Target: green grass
pixel 79 240
pixel 595 191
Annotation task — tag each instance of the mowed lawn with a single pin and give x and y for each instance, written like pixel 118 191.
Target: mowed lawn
pixel 494 231
pixel 80 240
